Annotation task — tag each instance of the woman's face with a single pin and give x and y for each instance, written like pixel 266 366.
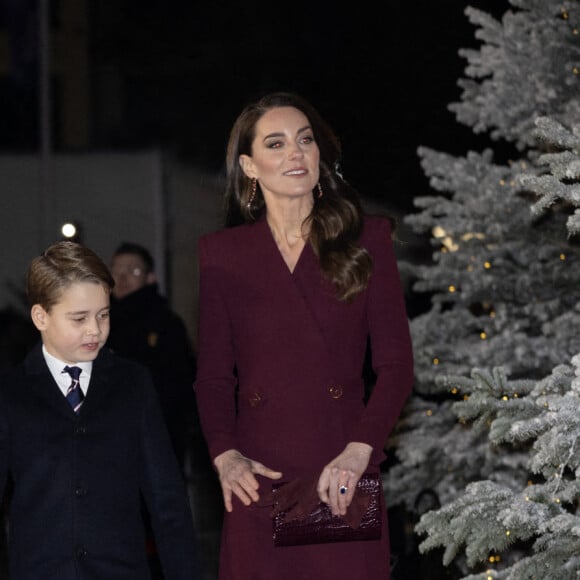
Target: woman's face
pixel 285 158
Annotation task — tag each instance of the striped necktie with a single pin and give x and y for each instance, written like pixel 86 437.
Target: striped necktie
pixel 74 395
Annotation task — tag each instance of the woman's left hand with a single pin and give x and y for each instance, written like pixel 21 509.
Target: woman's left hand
pixel 343 471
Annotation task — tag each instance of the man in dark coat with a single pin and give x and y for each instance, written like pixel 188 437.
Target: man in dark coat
pixel 144 328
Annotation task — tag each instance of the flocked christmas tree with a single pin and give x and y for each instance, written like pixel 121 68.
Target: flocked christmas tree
pixel 491 429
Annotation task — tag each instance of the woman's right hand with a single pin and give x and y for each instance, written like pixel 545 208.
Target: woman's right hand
pixel 236 473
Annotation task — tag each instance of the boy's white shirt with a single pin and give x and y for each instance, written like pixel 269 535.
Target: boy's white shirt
pixel 63 380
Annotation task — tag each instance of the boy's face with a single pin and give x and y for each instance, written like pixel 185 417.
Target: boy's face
pixel 77 326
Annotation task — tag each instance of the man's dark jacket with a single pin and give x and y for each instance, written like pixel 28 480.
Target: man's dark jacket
pixel 145 329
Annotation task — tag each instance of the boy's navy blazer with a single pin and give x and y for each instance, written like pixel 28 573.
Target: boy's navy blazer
pixel 76 480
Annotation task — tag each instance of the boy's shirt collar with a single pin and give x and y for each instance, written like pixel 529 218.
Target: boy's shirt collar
pixel 56 366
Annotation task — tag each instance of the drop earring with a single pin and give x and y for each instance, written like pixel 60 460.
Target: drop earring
pixel 253 192
pixel 320 192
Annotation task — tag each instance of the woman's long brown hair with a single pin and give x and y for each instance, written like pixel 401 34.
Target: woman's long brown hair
pixel 336 219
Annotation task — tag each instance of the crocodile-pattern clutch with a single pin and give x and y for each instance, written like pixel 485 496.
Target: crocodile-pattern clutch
pixel 320 526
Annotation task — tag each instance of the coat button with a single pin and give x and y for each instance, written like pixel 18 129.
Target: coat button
pixel 81 553
pixel 255 399
pixel 335 391
pixel 80 491
pixel 80 430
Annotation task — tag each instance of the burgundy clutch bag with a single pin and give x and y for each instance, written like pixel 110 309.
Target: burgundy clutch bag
pixel 363 521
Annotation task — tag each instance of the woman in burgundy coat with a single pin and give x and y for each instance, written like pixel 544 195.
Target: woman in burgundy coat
pixel 289 298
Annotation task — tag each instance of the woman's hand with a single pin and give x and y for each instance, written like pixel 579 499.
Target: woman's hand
pixel 236 474
pixel 344 470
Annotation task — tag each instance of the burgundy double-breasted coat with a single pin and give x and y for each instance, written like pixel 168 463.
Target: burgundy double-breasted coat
pixel 294 354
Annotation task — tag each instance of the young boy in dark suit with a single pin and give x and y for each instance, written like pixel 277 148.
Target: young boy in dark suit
pixel 81 450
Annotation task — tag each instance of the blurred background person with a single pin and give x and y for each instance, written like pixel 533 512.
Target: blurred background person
pixel 145 328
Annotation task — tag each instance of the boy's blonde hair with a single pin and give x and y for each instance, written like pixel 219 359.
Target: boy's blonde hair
pixel 62 264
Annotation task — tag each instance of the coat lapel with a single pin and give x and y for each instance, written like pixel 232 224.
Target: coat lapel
pixel 304 288
pixel 102 384
pixel 42 385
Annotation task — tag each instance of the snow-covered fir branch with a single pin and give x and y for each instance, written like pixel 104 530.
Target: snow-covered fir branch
pixel 562 183
pixel 491 517
pixel 527 67
pixel 501 455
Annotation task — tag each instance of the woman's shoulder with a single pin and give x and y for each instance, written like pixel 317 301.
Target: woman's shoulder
pixel 226 236
pixel 376 227
pixel 226 241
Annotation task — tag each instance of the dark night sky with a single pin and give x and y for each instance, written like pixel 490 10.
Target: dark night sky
pixel 382 73
pixel 383 80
